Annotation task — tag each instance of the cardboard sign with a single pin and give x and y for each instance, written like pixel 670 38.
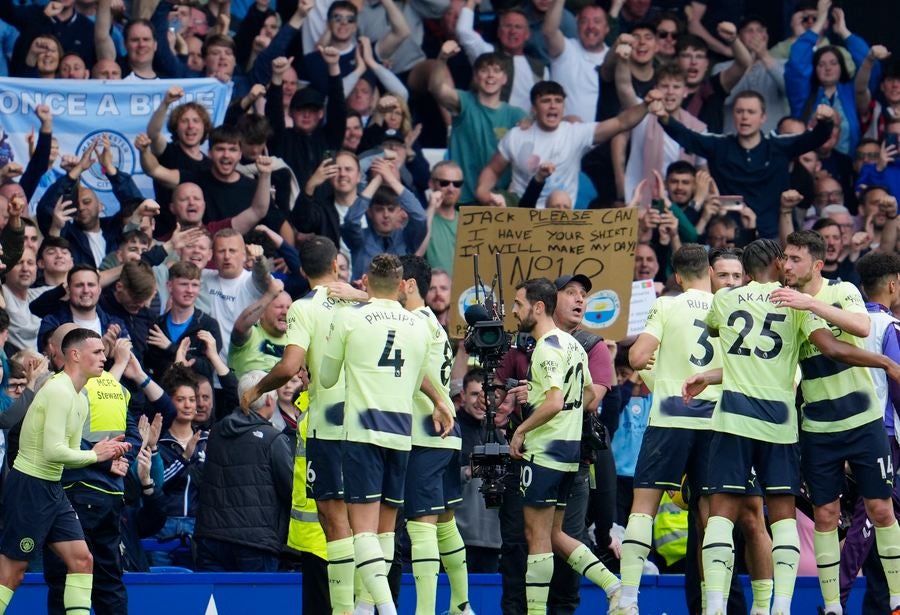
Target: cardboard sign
pixel 643 296
pixel 534 243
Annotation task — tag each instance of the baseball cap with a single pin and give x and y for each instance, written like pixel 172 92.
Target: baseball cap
pixel 307 97
pixel 578 277
pixel 393 135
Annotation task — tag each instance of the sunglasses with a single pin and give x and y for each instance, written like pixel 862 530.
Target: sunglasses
pixel 342 18
pixel 808 19
pixel 667 34
pixel 443 183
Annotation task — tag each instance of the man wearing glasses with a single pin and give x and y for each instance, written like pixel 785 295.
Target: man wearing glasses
pixel 439 245
pixel 342 30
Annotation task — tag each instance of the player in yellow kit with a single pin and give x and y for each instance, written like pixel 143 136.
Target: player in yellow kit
pixel 755 422
pixel 433 486
pixel 37 511
pixel 549 443
pixel 383 351
pixel 842 422
pixel 677 437
pixel 308 320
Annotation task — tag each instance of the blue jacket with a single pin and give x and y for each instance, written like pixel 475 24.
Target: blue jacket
pixel 64 315
pixel 365 243
pixel 869 175
pixel 797 82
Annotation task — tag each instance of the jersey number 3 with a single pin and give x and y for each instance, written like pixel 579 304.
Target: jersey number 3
pixel 387 359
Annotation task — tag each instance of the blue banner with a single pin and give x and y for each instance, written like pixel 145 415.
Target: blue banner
pixel 85 109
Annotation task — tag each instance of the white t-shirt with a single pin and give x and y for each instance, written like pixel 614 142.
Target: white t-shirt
pixel 227 299
pixel 576 70
pixel 634 168
pixel 23 325
pixel 564 147
pixel 93 325
pixel 98 245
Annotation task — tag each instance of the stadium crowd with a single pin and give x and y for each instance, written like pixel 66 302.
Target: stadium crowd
pixel 220 285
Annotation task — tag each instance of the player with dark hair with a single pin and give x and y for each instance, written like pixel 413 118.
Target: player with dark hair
pixel 50 441
pixel 307 320
pixel 382 350
pixel 433 487
pixel 842 420
pixel 754 423
pixel 549 443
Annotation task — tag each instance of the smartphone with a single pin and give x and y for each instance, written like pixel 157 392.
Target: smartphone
pixel 891 138
pixel 658 204
pixel 731 202
pixel 328 155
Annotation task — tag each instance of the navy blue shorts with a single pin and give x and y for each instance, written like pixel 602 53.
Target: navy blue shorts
pixel 324 479
pixel 375 474
pixel 744 465
pixel 668 453
pixel 864 448
pixel 37 512
pixel 432 481
pixel 542 487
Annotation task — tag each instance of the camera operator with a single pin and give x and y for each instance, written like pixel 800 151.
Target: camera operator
pixel 564 597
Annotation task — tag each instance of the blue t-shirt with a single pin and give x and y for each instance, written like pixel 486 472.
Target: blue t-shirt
pixel 176 330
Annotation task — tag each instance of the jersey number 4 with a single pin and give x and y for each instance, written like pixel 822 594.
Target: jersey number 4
pixel 394 360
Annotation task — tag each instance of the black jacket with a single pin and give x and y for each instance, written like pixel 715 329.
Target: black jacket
pixel 157 360
pixel 245 497
pixel 317 214
pixel 303 153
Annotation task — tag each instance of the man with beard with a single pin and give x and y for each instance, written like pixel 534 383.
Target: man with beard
pixel 754 424
pixel 548 442
pixel 259 334
pixel 90 237
pixel 837 266
pixel 225 190
pixel 843 423
pixel 438 298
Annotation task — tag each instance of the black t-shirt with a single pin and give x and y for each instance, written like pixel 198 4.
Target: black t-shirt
pixel 223 199
pixel 173 157
pixel 846 272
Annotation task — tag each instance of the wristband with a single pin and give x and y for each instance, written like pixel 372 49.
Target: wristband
pixel 145 487
pixel 146 382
